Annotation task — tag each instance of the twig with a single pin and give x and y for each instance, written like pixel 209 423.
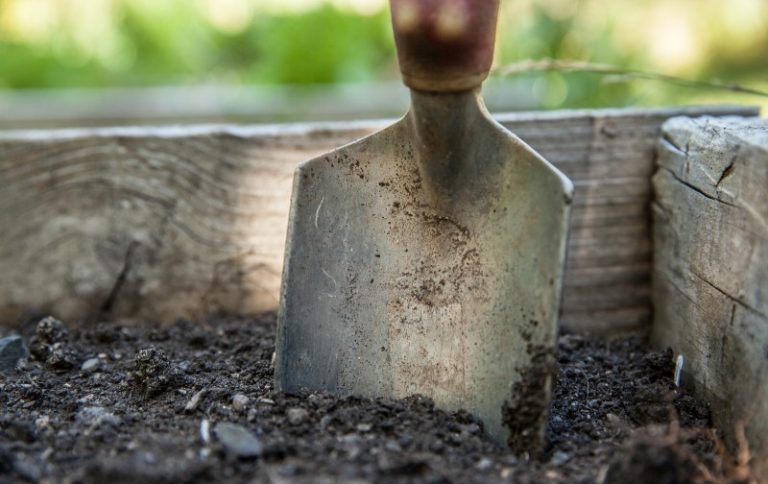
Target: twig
pixel 617 73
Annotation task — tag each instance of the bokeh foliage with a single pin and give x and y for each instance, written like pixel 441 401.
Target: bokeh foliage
pixel 101 43
pixel 140 42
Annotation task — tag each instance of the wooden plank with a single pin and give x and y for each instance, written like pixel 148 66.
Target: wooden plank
pixel 710 276
pixel 601 277
pixel 164 223
pixel 621 295
pixel 50 108
pixel 622 320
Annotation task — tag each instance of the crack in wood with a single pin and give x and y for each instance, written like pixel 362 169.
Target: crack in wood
pixel 671 145
pixel 728 169
pixel 729 296
pixel 698 190
pixel 122 276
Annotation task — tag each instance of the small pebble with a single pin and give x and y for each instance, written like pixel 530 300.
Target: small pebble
pixel 239 402
pixel 238 440
pixel 559 458
pixel 97 416
pixel 289 470
pixel 12 352
pixel 484 464
pixel 614 423
pixel 252 413
pixel 43 423
pixel 326 421
pixel 352 445
pixel 364 427
pixel 193 402
pixel 393 446
pixel 552 475
pixel 437 446
pixel 91 365
pixel 205 431
pixel 405 440
pixel 297 415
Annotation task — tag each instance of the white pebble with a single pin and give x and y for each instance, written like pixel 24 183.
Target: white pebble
pixel 239 402
pixel 194 401
pixel 90 365
pixel 297 415
pixel 205 431
pixel 679 369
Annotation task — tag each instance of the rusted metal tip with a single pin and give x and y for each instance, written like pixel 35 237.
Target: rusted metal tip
pixel 444 45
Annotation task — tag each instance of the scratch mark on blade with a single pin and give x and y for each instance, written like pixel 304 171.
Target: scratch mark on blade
pixel 317 213
pixel 335 285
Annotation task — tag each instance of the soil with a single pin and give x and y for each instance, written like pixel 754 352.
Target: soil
pixel 139 402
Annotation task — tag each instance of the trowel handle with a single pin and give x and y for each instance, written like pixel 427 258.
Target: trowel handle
pixel 444 45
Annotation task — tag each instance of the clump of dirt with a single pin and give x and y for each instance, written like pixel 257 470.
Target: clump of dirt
pixel 525 411
pixel 657 456
pixel 153 372
pixel 192 402
pixel 51 345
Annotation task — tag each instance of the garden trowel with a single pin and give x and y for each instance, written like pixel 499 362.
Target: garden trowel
pixel 428 258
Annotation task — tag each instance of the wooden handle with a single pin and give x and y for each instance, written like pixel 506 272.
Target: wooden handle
pixel 444 45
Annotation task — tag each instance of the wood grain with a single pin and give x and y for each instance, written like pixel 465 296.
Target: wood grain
pixel 710 276
pixel 165 223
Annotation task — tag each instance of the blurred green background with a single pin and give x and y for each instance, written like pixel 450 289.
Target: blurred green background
pixel 97 44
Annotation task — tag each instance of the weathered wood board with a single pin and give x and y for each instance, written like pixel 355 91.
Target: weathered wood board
pixel 164 223
pixel 710 277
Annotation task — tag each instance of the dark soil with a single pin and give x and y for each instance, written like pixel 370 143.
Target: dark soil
pixel 153 407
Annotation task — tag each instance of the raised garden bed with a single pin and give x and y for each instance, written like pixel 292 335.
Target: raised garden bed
pixel 106 228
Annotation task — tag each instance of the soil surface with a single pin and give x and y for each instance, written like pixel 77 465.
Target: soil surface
pixel 192 402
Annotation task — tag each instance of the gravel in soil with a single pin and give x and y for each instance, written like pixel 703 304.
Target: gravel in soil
pixel 193 402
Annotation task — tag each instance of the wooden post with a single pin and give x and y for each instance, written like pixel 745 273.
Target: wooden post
pixel 710 278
